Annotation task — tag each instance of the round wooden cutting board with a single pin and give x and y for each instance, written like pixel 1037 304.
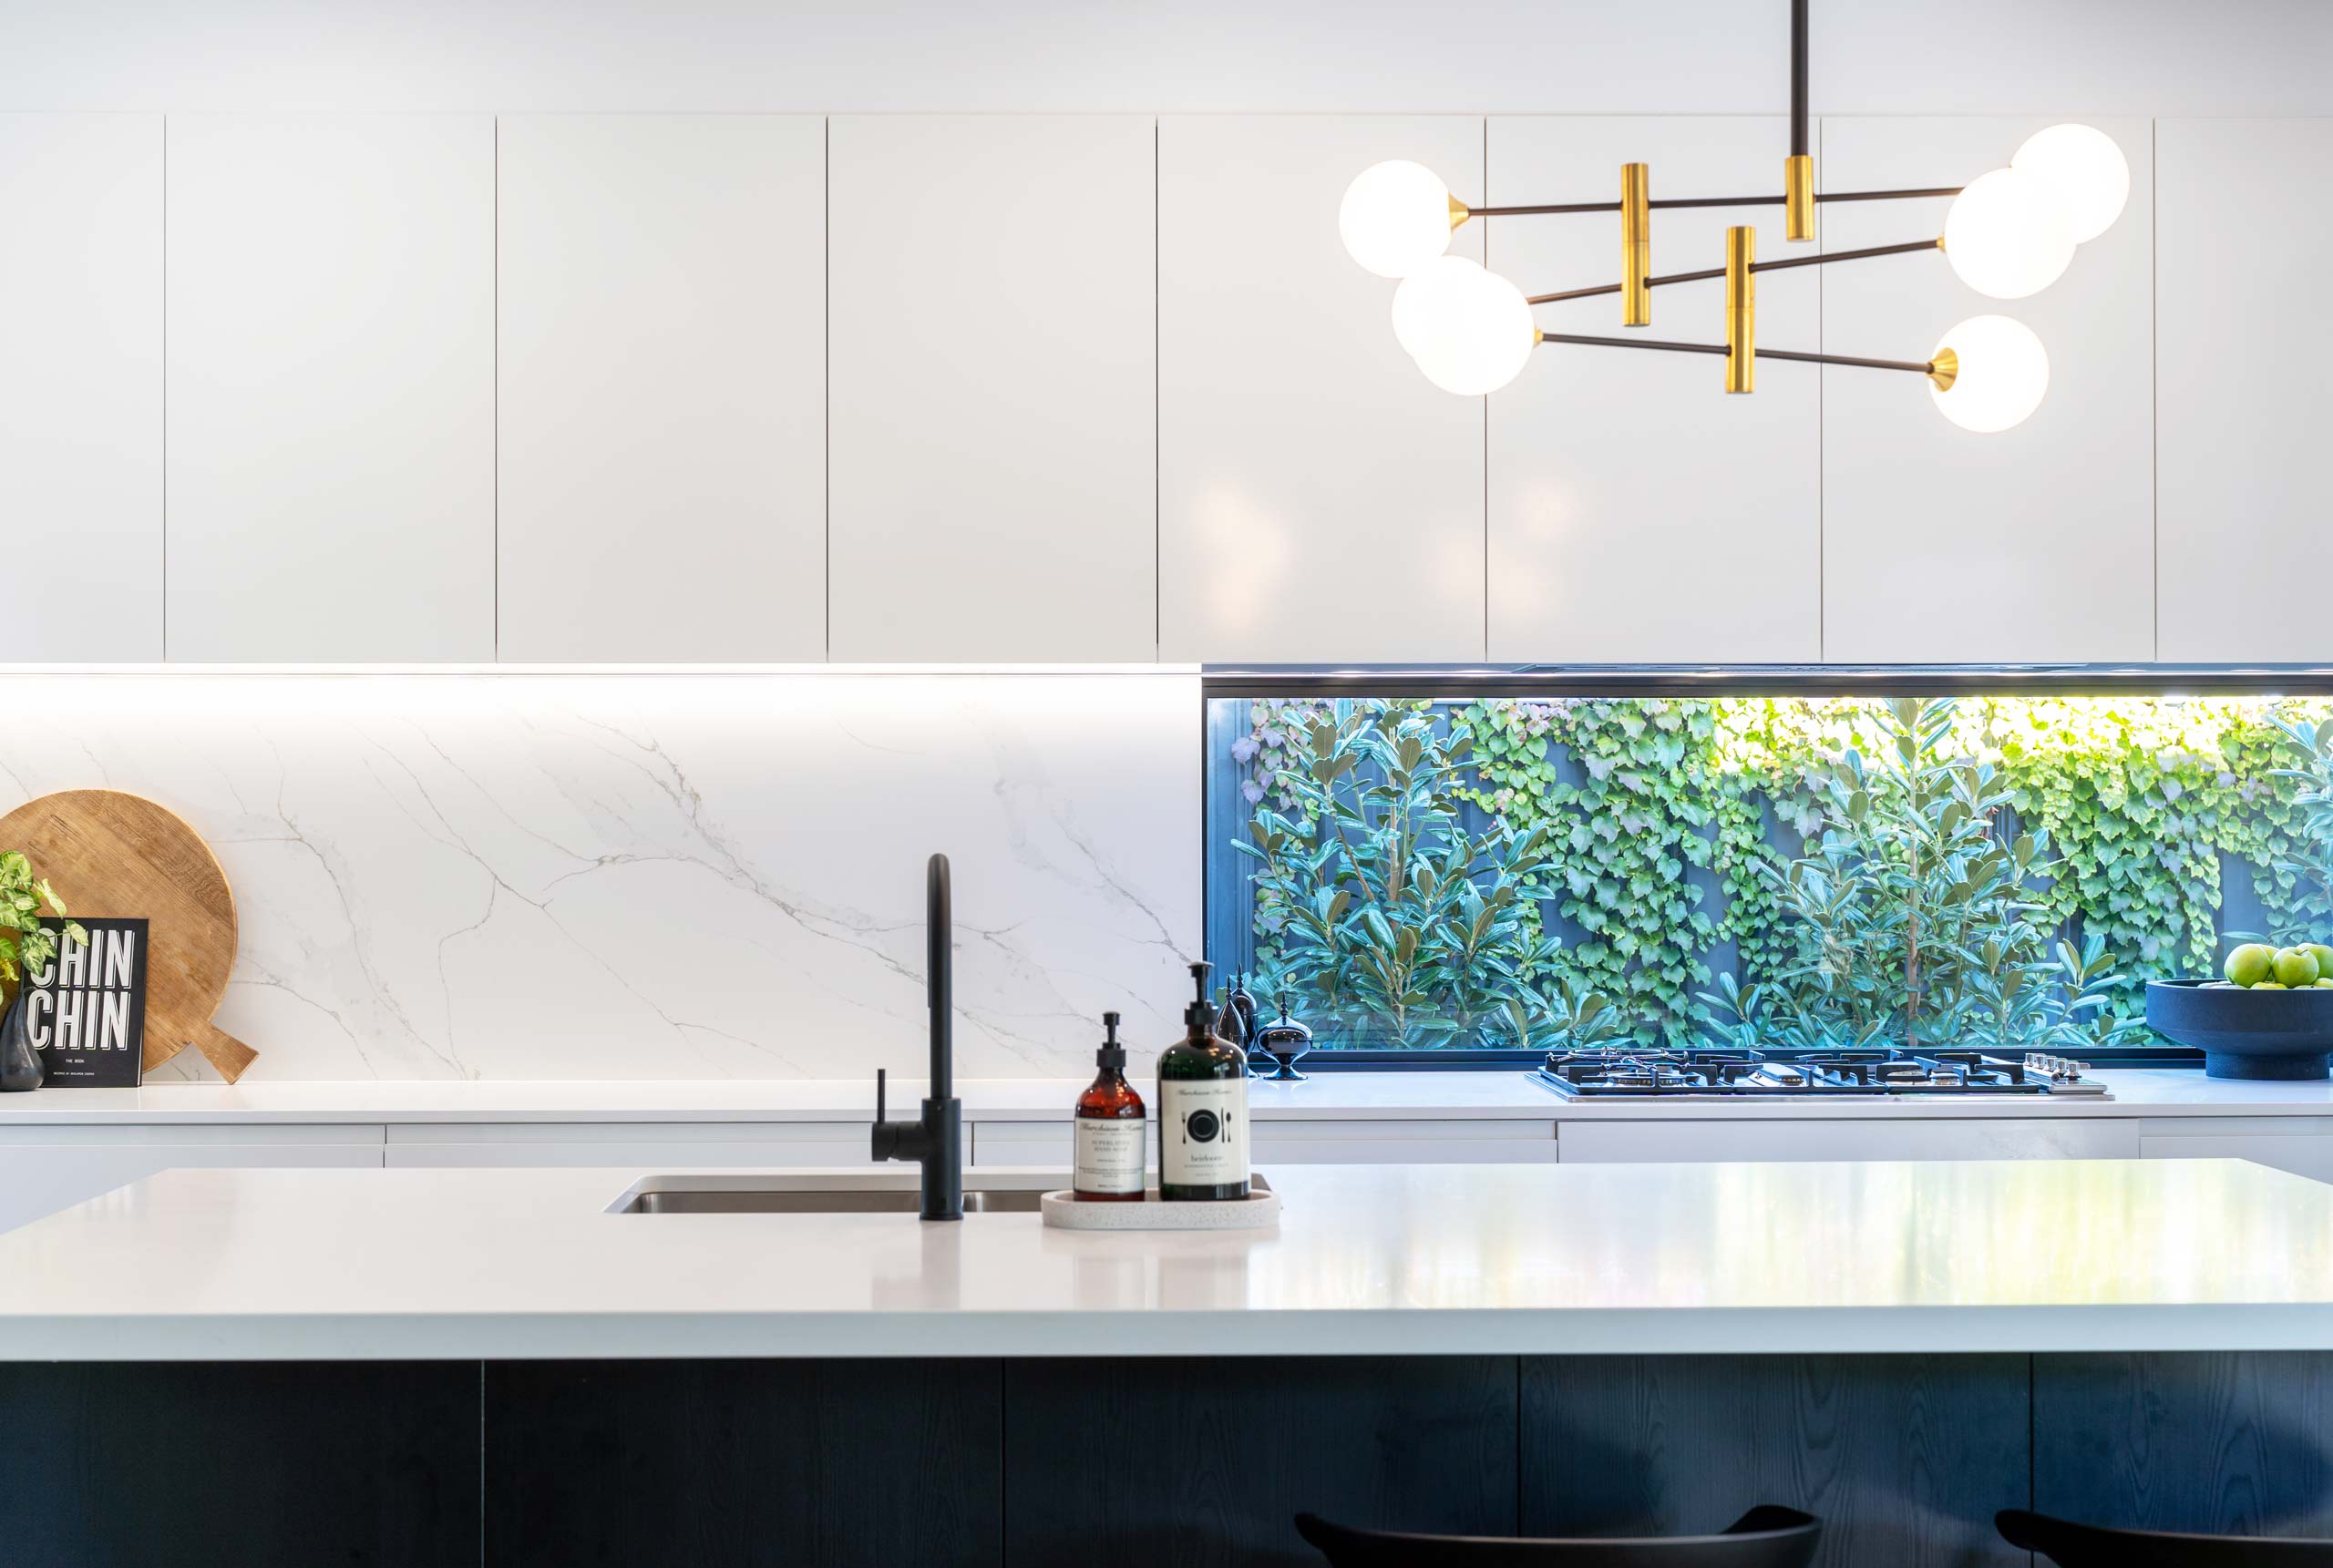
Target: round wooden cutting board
pixel 111 854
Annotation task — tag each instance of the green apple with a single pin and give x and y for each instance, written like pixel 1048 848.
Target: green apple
pixel 2296 966
pixel 2324 958
pixel 2272 986
pixel 2250 964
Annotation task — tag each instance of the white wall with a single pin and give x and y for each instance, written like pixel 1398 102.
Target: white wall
pixel 1584 57
pixel 597 876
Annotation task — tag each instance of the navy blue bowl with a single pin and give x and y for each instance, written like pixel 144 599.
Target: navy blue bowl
pixel 2245 1033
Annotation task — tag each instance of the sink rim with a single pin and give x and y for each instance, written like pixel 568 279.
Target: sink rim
pixel 872 1180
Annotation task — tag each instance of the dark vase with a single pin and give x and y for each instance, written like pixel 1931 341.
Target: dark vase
pixel 19 1063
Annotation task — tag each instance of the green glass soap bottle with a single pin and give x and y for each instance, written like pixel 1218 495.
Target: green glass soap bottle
pixel 1202 1104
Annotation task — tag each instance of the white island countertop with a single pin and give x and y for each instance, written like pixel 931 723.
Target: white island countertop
pixel 1326 1095
pixel 263 1264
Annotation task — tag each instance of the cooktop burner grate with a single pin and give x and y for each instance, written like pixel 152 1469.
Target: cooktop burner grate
pixel 1733 1073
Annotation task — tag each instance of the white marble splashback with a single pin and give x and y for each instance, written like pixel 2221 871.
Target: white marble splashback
pixel 661 876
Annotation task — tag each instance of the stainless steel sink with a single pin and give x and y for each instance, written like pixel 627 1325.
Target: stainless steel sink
pixel 826 1193
pixel 838 1201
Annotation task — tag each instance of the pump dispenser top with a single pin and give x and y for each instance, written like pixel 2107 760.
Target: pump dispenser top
pixel 1113 1054
pixel 1200 1014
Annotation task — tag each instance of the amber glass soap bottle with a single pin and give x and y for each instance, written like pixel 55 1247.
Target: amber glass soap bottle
pixel 1109 1129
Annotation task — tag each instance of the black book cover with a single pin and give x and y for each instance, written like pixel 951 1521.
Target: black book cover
pixel 86 1011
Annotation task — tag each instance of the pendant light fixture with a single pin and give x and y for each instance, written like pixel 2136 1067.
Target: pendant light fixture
pixel 2008 234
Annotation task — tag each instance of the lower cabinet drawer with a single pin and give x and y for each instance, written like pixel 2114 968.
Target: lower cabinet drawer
pixel 1281 1143
pixel 1619 1142
pixel 643 1146
pixel 45 1169
pixel 2307 1154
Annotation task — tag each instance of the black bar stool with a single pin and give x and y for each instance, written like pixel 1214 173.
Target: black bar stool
pixel 2071 1545
pixel 1766 1537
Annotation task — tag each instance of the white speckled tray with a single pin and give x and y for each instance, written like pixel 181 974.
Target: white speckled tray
pixel 1258 1209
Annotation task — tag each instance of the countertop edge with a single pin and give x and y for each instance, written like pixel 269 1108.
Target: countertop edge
pixel 1051 1335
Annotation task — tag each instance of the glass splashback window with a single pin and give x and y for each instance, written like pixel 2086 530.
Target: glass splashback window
pixel 1427 874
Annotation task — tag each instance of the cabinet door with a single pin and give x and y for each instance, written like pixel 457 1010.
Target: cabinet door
pixel 1937 1138
pixel 331 338
pixel 81 385
pixel 2242 315
pixel 2035 544
pixel 45 1169
pixel 1318 498
pixel 992 388
pixel 1637 512
pixel 2301 1144
pixel 644 1147
pixel 662 481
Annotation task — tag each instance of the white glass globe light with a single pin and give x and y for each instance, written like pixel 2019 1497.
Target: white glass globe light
pixel 2088 172
pixel 2007 235
pixel 1396 218
pixel 1427 299
pixel 2003 372
pixel 1469 330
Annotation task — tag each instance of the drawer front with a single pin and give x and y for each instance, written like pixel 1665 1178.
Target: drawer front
pixel 2307 1154
pixel 1280 1143
pixel 1643 1141
pixel 639 1145
pixel 40 1178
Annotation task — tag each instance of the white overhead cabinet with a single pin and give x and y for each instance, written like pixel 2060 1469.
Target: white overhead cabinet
pixel 992 387
pixel 1319 500
pixel 81 386
pixel 2243 315
pixel 2035 544
pixel 661 482
pixel 1639 513
pixel 331 417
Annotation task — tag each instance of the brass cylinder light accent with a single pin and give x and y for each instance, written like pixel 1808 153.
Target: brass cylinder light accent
pixel 1458 213
pixel 1740 311
pixel 1636 245
pixel 1944 369
pixel 1798 196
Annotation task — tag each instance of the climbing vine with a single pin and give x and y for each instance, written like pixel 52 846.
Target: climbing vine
pixel 1662 830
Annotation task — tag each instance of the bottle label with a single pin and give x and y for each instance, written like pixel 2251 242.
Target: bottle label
pixel 1110 1154
pixel 1202 1132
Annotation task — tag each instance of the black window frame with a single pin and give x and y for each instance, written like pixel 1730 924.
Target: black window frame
pixel 1445 683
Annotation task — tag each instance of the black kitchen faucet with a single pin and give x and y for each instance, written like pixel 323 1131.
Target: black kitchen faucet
pixel 936 1139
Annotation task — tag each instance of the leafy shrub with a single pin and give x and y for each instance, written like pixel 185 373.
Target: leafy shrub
pixel 2002 871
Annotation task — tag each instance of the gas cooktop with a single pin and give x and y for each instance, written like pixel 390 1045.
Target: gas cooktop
pixel 1735 1074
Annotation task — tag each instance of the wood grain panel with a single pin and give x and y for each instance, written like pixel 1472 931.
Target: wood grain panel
pixel 2225 1444
pixel 109 853
pixel 284 1465
pixel 1906 1459
pixel 1202 1464
pixel 720 1464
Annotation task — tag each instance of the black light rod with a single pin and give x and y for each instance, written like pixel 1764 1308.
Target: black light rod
pixel 1922 366
pixel 1798 139
pixel 1708 273
pixel 1673 202
pixel 1635 343
pixel 1906 249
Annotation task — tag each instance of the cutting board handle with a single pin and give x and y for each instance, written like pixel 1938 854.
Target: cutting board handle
pixel 228 1055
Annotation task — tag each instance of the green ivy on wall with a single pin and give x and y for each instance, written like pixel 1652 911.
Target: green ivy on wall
pixel 1636 806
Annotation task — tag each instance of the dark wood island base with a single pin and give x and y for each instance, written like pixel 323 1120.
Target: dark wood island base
pixel 1132 1463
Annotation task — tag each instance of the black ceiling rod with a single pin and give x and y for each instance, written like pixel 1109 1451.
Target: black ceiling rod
pixel 1908 248
pixel 1918 366
pixel 1799 146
